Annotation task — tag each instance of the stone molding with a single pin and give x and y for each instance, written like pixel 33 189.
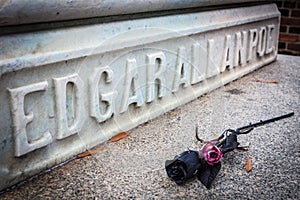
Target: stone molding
pixel 27 50
pixel 16 12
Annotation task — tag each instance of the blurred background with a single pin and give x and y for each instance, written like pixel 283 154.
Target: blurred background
pixel 289 38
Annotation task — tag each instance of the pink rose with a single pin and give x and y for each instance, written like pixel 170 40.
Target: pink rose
pixel 211 153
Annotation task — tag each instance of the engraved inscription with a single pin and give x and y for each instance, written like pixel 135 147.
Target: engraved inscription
pixel 132 93
pixel 181 70
pixel 227 54
pixel 270 39
pixel 261 47
pixel 156 67
pixel 20 119
pixel 107 94
pixel 252 44
pixel 65 129
pixel 107 98
pixel 197 60
pixel 211 67
pixel 240 51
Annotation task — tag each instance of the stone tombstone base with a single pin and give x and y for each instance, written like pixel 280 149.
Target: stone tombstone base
pixel 67 89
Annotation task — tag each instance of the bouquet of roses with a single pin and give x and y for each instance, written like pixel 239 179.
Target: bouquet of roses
pixel 205 163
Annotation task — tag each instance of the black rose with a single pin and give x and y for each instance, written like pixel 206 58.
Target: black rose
pixel 183 167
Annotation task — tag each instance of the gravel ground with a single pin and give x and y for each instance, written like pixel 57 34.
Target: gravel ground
pixel 133 168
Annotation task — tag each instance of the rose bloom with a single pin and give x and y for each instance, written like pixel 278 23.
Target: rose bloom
pixel 183 167
pixel 211 153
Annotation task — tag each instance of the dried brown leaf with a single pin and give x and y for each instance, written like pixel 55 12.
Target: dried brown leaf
pixel 119 137
pixel 215 135
pixel 248 164
pixel 265 81
pixel 90 152
pixel 244 148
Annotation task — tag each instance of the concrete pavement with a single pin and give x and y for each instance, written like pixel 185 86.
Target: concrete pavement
pixel 133 168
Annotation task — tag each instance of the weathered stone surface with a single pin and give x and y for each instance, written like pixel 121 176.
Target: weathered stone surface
pixel 66 90
pixel 14 12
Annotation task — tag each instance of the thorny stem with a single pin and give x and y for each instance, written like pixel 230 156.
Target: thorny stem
pixel 221 139
pixel 197 137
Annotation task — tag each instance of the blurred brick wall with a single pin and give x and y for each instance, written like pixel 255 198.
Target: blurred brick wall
pixel 289 38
